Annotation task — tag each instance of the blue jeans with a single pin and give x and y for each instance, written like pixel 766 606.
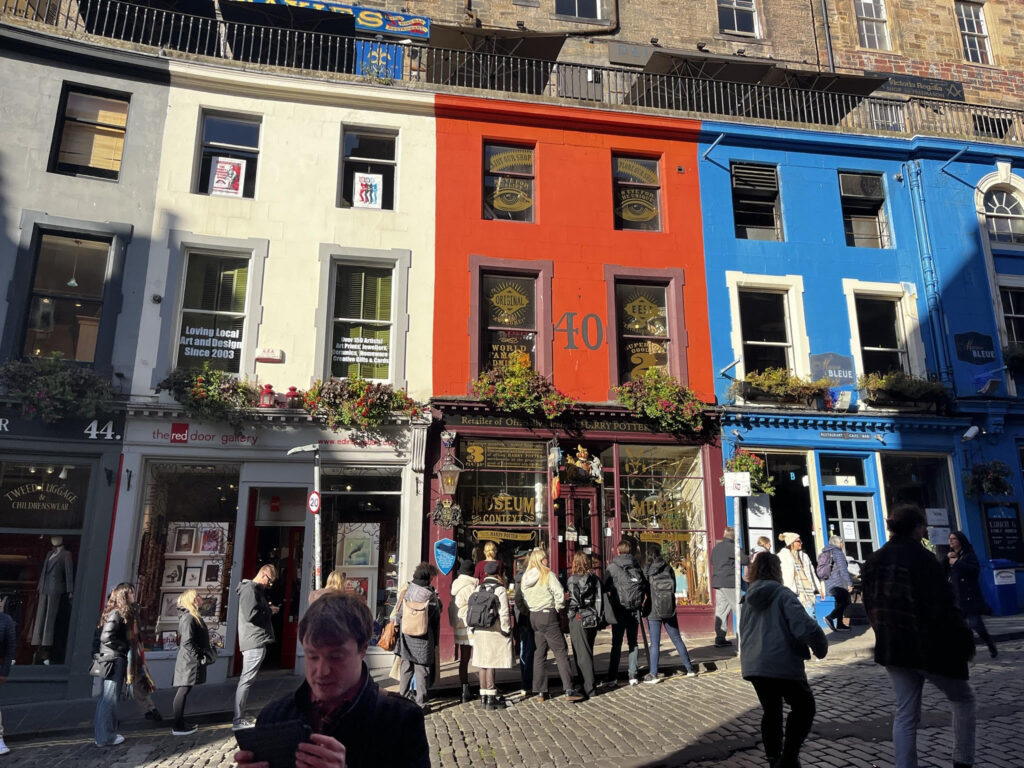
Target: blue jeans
pixel 907 684
pixel 672 630
pixel 527 647
pixel 626 626
pixel 251 661
pixel 104 724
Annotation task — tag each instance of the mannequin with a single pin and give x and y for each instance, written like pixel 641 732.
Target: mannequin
pixel 56 580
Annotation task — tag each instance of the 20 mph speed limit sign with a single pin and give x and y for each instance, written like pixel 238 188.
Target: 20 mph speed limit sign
pixel 313 502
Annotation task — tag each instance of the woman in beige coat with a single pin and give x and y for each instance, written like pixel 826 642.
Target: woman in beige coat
pixel 492 648
pixel 462 588
pixel 798 572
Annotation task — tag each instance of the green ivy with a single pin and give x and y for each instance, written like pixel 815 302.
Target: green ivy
pixel 659 397
pixel 211 395
pixel 51 389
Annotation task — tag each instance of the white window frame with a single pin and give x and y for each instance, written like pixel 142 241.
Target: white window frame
pixel 1020 200
pixel 879 21
pixel 740 6
pixel 792 286
pixel 597 11
pixel 341 261
pixel 980 33
pixel 906 298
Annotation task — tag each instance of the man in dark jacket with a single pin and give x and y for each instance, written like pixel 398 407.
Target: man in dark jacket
pixel 919 635
pixel 354 723
pixel 723 581
pixel 624 586
pixel 255 633
pixel 8 646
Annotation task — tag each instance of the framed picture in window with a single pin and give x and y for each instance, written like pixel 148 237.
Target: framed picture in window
pixel 357 551
pixel 227 176
pixel 209 607
pixel 363 587
pixel 212 541
pixel 169 641
pixel 174 573
pixel 193 577
pixel 169 606
pixel 211 573
pixel 184 540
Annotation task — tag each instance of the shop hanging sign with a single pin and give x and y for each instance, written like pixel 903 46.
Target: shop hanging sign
pixel 832 365
pixel 975 348
pixel 503 536
pixel 444 555
pixel 509 456
pixel 366 19
pixel 737 483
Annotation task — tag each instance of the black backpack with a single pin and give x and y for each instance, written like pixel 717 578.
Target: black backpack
pixel 663 594
pixel 631 588
pixel 483 607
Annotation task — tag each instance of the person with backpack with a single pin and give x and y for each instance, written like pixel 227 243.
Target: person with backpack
pixel 462 588
pixel 776 633
pixel 418 620
pixel 586 617
pixel 835 573
pixel 661 611
pixel 545 598
pixel 797 572
pixel 490 625
pixel 626 590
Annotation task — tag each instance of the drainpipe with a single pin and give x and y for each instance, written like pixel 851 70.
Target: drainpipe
pixel 936 318
pixel 828 34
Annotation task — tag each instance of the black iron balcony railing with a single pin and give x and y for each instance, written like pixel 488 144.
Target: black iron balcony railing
pixel 415 65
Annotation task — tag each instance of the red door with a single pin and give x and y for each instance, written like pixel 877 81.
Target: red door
pixel 292 600
pixel 578 525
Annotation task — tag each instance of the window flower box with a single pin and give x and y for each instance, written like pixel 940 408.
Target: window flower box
pixel 899 390
pixel 780 387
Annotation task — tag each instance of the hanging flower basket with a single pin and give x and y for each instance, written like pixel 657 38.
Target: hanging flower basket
pixel 659 397
pixel 745 461
pixel 778 385
pixel 988 479
pixel 211 395
pixel 517 388
pixel 51 389
pixel 357 403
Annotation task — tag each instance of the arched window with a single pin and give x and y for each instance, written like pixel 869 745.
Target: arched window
pixel 1005 214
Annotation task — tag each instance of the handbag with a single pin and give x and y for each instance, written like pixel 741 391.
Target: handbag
pixel 388 639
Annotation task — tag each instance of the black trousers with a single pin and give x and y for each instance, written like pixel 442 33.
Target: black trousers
pixel 771 692
pixel 583 651
pixel 179 705
pixel 974 622
pixel 547 632
pixel 842 597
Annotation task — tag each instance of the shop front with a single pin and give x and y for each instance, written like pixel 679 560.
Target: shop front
pixel 57 491
pixel 202 508
pixel 832 475
pixel 613 478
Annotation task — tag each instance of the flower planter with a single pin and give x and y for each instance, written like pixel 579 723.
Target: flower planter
pixel 752 394
pixel 891 398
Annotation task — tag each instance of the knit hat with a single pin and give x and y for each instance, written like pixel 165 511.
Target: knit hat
pixel 788 538
pixel 466 567
pixel 491 567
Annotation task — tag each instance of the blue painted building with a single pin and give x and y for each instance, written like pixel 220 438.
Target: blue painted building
pixel 834 256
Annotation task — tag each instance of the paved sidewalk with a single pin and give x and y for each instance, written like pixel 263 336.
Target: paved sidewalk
pixel 210 704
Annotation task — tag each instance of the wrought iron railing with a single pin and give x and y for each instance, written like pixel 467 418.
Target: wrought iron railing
pixel 418 65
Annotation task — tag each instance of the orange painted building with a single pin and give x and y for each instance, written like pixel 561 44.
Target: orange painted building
pixel 573 237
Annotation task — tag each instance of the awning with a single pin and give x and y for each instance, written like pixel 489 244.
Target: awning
pixel 366 19
pixel 855 85
pixel 505 42
pixel 730 69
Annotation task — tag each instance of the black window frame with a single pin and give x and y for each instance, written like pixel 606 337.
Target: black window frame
pixel 618 185
pixel 488 212
pixel 54 165
pixel 366 164
pixel 755 193
pixel 209 149
pixel 862 198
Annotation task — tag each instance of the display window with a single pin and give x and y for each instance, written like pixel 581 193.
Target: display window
pixel 503 495
pixel 187 542
pixel 923 480
pixel 661 501
pixel 42 514
pixel 359 529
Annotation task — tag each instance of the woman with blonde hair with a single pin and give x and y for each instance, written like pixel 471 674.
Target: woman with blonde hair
pixel 194 655
pixel 798 572
pixel 490 556
pixel 335 583
pixel 545 598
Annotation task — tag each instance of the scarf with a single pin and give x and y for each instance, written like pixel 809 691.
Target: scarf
pixel 804 585
pixel 138 678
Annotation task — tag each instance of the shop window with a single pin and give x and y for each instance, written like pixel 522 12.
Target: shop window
pixel 213 311
pixel 764 324
pixel 737 17
pixel 926 481
pixel 661 501
pixel 872 30
pixel 368 170
pixel 508 318
pixel 89 136
pixel 508 183
pixel 187 542
pixel 42 514
pixel 883 346
pixel 755 202
pixel 228 156
pixel 67 297
pixel 1012 299
pixel 970 18
pixel 636 189
pixel 642 329
pixel 362 321
pixel 581 9
pixel 361 517
pixel 1004 215
pixel 841 470
pixel 863 201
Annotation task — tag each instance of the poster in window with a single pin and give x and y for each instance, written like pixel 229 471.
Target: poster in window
pixel 184 540
pixel 192 576
pixel 169 605
pixel 366 190
pixel 211 573
pixel 212 542
pixel 227 176
pixel 174 573
pixel 357 551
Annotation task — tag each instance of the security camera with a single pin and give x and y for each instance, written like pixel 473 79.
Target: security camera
pixel 972 432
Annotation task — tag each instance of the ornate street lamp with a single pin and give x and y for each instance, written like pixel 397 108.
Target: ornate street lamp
pixel 450 469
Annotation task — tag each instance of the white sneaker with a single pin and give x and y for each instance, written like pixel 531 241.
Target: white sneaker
pixel 4 749
pixel 652 680
pixel 119 739
pixel 634 681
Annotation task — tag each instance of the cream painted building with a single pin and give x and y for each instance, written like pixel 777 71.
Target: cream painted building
pixel 292 240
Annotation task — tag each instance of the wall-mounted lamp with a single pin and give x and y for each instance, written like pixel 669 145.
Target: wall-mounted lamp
pixel 63 473
pixel 521 24
pixel 654 41
pixel 702 46
pixel 736 433
pixel 450 469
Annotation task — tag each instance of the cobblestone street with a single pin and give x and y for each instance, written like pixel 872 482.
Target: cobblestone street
pixel 709 721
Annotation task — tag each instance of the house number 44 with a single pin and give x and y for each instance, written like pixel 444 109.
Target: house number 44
pixel 591 330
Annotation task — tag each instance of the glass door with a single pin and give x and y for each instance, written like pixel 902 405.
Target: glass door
pixel 852 517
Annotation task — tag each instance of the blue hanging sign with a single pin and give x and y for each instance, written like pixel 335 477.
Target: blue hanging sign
pixel 444 555
pixel 379 60
pixel 832 365
pixel 975 348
